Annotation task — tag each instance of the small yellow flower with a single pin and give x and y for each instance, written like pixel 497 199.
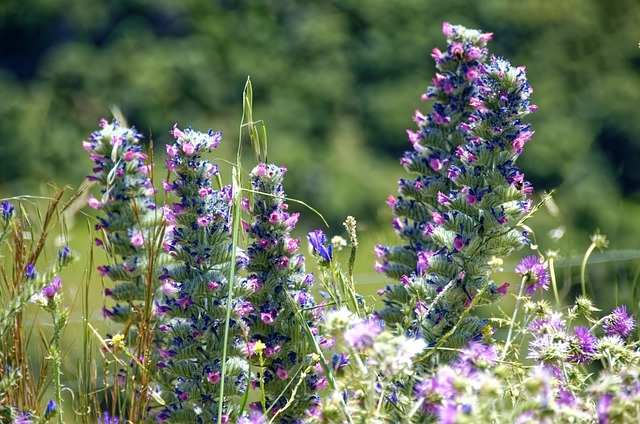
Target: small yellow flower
pixel 259 346
pixel 117 340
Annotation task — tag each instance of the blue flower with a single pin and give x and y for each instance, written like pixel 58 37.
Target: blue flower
pixel 30 271
pixel 318 239
pixel 7 210
pixel 107 419
pixel 51 409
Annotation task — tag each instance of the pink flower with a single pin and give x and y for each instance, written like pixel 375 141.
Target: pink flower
pixel 435 164
pixel 282 373
pixel 503 288
pixel 380 267
pixel 474 52
pixel 253 283
pixel 213 285
pixel 471 74
pixel 261 169
pixel 436 54
pixel 213 377
pixel 447 29
pixel 486 37
pixel 519 142
pixel 169 286
pixel 267 317
pixel 116 141
pixel 86 146
pixel 293 245
pixel 249 349
pixel 272 351
pixel 414 137
pixel 391 201
pixel 458 243
pixel 443 199
pixel 176 132
pixel 172 150
pixel 188 148
pixel 137 239
pixel 167 186
pixel 130 155
pixel 204 221
pixel 457 49
pixel 274 218
pixel 292 220
pixel 423 262
pixel 94 203
pixel 171 165
pixel 437 218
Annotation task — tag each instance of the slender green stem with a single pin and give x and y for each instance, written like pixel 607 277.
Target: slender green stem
pixel 583 269
pixel 380 400
pixel 237 197
pixel 55 356
pixel 513 319
pixel 554 284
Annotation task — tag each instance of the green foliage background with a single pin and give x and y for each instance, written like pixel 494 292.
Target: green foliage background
pixel 336 83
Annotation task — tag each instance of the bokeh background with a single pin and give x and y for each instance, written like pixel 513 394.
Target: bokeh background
pixel 336 83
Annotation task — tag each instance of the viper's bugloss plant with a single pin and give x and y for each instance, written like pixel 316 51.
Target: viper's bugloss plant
pixel 128 218
pixel 280 310
pixel 195 288
pixel 131 229
pixel 459 210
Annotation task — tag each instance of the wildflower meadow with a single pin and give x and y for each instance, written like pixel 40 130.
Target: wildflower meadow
pixel 216 310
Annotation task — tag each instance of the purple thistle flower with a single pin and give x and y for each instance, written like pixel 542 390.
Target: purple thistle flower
pixel 476 355
pixel 548 324
pixel 23 418
pixel 318 239
pixel 619 323
pixel 602 408
pixel 362 333
pixel 535 273
pixel 586 343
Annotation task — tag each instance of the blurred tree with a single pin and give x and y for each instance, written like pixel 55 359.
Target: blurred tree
pixel 335 81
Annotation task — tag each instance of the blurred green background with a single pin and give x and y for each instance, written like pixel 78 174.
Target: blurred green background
pixel 336 83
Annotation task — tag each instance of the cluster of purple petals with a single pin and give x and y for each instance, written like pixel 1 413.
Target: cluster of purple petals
pixel 619 323
pixel 277 297
pixel 535 272
pixel 441 397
